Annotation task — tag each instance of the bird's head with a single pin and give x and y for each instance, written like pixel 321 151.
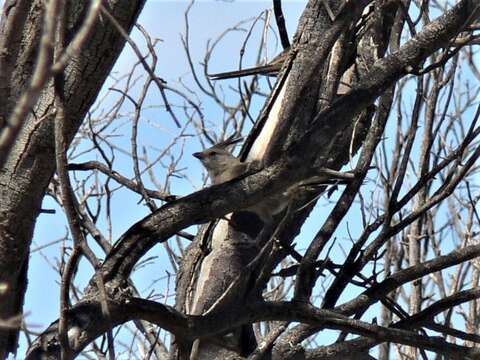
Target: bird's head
pixel 215 158
pixel 218 160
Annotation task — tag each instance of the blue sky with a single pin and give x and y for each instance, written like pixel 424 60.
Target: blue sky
pixel 165 20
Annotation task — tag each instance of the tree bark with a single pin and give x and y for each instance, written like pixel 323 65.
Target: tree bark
pixel 31 163
pixel 310 131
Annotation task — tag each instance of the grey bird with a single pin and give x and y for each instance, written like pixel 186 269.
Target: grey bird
pixel 222 166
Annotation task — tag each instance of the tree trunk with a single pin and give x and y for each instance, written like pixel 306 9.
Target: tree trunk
pixel 31 163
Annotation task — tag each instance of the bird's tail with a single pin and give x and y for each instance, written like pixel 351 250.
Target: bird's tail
pixel 268 70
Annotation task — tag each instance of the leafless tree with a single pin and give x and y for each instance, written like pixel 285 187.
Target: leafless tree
pixel 377 101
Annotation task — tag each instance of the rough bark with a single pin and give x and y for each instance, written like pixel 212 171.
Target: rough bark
pixel 310 132
pixel 287 115
pixel 31 163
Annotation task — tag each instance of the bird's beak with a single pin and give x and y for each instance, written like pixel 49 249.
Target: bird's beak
pixel 198 155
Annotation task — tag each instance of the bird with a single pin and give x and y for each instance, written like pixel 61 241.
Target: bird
pixel 223 166
pixel 270 69
pixel 220 164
